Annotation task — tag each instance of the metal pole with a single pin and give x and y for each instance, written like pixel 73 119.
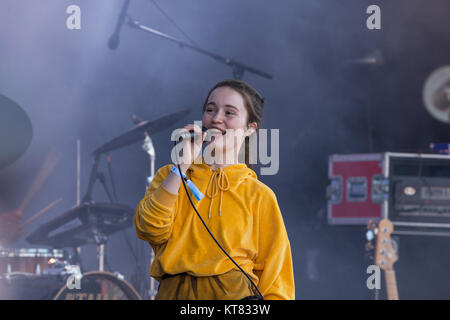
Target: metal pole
pixel 78 171
pixel 148 147
pixel 101 257
pixel 78 249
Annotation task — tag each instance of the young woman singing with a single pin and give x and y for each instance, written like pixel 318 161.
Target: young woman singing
pixel 241 212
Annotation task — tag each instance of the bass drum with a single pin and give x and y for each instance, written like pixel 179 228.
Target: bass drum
pixel 98 285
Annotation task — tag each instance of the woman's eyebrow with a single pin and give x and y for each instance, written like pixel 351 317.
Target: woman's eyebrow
pixel 231 106
pixel 227 105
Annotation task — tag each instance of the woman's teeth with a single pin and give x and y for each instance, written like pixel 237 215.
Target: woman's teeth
pixel 215 131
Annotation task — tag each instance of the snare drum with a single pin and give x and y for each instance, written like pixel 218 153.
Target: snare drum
pixel 28 260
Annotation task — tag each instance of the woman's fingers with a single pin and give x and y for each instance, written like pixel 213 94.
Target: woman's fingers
pixel 190 150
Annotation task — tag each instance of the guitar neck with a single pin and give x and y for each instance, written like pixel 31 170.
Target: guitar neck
pixel 391 285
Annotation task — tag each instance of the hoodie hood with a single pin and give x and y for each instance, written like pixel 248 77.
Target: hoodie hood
pixel 215 182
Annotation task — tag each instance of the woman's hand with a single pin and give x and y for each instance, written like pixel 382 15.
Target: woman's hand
pixel 191 150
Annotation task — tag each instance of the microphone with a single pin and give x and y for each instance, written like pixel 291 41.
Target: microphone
pixel 113 41
pixel 191 134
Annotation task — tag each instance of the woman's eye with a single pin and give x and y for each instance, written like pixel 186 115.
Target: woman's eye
pixel 230 113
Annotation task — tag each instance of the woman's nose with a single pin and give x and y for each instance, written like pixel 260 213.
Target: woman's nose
pixel 218 117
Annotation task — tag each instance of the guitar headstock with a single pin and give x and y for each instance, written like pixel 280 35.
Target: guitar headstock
pixel 385 253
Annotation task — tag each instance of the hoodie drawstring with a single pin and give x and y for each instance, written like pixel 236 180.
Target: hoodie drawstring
pixel 218 181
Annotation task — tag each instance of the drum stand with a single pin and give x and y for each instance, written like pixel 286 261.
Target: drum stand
pixel 100 240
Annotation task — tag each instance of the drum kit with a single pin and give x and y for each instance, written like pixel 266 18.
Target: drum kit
pixel 48 271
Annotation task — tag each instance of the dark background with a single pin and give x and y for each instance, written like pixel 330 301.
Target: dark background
pixel 73 87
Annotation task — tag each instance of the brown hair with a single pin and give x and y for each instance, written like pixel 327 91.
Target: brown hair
pixel 253 101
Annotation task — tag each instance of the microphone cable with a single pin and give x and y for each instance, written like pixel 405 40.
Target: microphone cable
pixel 259 296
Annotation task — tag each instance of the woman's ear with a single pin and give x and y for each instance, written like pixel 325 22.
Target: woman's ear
pixel 251 128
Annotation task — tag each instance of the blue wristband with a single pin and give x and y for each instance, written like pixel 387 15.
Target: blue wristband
pixel 195 191
pixel 175 170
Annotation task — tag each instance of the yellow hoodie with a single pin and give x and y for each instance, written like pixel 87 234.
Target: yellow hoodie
pixel 241 212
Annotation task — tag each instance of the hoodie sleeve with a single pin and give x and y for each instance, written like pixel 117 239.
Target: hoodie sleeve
pixel 274 261
pixel 155 212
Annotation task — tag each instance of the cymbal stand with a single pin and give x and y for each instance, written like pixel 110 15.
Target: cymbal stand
pixel 148 147
pixel 77 250
pixel 113 185
pixel 88 196
pixel 101 177
pixel 100 238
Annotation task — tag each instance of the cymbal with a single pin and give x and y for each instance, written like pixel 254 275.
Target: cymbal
pixel 15 131
pixel 137 133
